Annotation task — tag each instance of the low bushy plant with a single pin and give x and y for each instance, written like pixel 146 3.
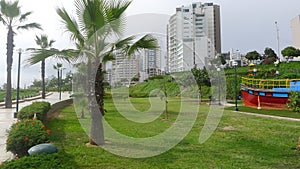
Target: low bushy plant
pixel 24 134
pixel 56 160
pixel 294 101
pixel 38 108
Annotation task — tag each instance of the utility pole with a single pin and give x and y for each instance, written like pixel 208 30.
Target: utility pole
pixel 277 36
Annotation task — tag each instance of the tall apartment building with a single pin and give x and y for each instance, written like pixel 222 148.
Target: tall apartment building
pixel 123 70
pixel 193 35
pixel 295 26
pixel 151 61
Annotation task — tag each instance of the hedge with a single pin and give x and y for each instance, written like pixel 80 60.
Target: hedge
pixel 38 108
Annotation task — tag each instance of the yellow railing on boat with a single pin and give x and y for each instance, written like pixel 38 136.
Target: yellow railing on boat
pixel 267 83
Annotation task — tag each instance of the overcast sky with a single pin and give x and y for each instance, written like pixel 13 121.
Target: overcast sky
pixel 246 25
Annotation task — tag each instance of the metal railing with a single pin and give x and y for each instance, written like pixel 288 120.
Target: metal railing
pixel 267 83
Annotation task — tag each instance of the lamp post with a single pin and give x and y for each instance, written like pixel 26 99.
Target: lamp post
pixel 18 85
pixel 219 87
pixel 277 73
pixel 254 71
pixel 235 85
pixel 60 81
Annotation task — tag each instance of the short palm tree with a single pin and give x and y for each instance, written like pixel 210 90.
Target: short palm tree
pixel 11 17
pixel 43 42
pixel 96 22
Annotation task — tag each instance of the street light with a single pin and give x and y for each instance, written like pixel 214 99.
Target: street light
pixel 18 85
pixel 235 85
pixel 60 81
pixel 219 91
pixel 277 73
pixel 254 71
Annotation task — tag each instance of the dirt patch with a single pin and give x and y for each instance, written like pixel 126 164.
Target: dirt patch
pixel 229 128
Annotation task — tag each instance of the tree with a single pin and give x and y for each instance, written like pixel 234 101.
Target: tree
pixel 57 67
pixel 269 56
pixel 11 17
pixel 43 42
pixel 254 55
pixel 290 52
pixel 202 78
pixel 94 16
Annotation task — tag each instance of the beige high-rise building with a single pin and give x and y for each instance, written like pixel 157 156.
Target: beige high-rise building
pixel 295 26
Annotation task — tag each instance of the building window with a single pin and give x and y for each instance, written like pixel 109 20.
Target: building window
pixel 186 10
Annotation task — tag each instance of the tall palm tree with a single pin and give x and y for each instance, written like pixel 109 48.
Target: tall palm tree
pixel 12 18
pixel 94 16
pixel 43 42
pixel 57 67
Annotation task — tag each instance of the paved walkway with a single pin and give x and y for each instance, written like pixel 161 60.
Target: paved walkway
pixel 6 120
pixel 269 116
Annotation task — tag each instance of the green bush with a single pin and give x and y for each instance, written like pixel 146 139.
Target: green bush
pixel 24 134
pixel 40 108
pixel 294 101
pixel 56 160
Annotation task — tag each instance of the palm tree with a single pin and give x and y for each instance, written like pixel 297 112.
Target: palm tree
pixel 11 17
pixel 43 42
pixel 96 22
pixel 57 67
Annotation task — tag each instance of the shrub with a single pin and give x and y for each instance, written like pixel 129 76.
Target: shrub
pixel 294 101
pixel 25 134
pixel 40 108
pixel 55 160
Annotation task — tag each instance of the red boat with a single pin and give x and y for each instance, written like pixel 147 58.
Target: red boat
pixel 268 93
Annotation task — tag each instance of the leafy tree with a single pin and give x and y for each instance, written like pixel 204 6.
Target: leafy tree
pixel 254 55
pixel 270 56
pixel 11 17
pixel 290 51
pixel 202 78
pixel 43 42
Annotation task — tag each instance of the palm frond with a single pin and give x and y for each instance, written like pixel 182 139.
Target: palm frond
pixel 146 42
pixel 23 17
pixel 10 10
pixel 41 54
pixel 71 25
pixel 51 43
pixel 30 26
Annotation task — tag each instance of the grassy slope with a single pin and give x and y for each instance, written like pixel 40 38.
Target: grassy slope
pixel 256 142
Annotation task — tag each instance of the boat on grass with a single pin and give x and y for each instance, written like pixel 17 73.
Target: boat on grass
pixel 268 93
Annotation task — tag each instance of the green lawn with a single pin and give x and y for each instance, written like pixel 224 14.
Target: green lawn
pixel 23 93
pixel 253 142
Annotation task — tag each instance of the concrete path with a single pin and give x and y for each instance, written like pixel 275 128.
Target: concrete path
pixel 6 120
pixel 269 116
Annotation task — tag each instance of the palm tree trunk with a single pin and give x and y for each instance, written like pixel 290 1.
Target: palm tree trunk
pixel 96 103
pixel 43 79
pixel 99 89
pixel 10 48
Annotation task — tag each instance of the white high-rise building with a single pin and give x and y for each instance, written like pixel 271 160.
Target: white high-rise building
pixel 193 35
pixel 295 25
pixel 123 70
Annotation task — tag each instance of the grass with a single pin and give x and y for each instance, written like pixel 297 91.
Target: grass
pixel 253 143
pixel 282 113
pixel 23 93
